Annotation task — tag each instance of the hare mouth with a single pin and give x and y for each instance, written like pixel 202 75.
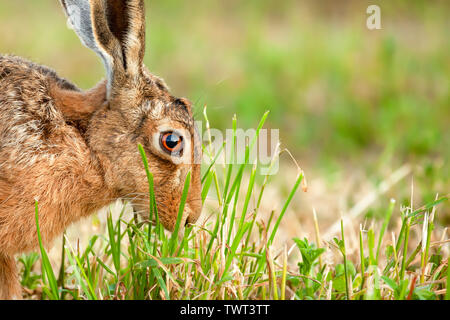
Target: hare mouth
pixel 167 220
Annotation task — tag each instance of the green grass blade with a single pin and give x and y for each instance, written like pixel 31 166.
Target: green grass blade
pixel 114 245
pixel 405 248
pixel 206 186
pixel 387 218
pixel 344 253
pixel 45 260
pixel 286 205
pixel 447 291
pixel 361 258
pixel 153 210
pixel 173 239
pixel 80 275
pixel 213 163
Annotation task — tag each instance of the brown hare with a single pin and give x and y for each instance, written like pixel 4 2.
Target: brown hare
pixel 76 152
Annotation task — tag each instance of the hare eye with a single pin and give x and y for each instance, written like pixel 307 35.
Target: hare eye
pixel 172 143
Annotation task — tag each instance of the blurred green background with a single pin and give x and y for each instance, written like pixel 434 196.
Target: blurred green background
pixel 343 96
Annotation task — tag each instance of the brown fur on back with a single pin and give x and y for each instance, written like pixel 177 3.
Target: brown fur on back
pixel 42 157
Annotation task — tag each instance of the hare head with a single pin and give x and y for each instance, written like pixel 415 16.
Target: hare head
pixel 139 110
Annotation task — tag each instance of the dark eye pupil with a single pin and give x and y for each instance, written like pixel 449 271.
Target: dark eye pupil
pixel 172 141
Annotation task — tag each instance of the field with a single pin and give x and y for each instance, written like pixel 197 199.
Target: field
pixel 361 213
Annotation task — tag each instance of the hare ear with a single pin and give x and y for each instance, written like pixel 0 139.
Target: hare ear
pixel 115 30
pixel 126 20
